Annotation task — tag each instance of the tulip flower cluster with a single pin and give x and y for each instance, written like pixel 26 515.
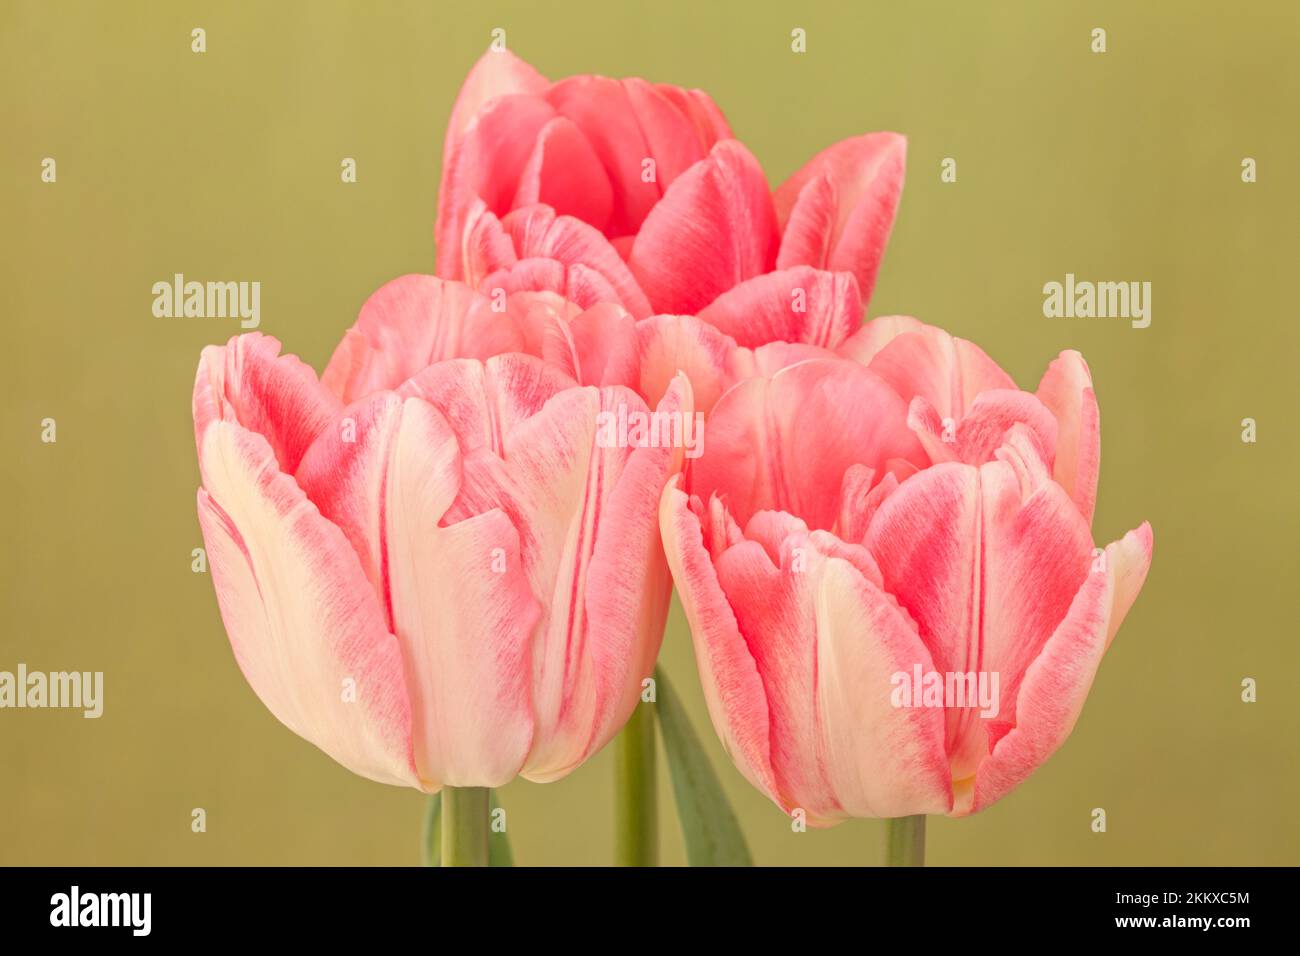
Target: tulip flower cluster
pixel 432 565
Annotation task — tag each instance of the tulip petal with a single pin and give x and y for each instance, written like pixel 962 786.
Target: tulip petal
pixel 881 760
pixel 983 429
pixel 304 625
pixel 785 443
pixel 578 284
pixel 629 122
pixel 409 324
pixel 457 598
pixel 497 73
pixel 539 233
pixel 1057 682
pixel 628 584
pixel 276 396
pixel 485 162
pixel 801 304
pixel 1066 389
pixel 987 561
pixel 733 689
pixel 837 211
pixel 947 372
pixel 714 228
pixel 485 401
pixel 565 173
pixel 865 344
pixel 668 344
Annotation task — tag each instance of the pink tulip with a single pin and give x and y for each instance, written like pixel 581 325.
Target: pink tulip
pixel 432 570
pixel 851 521
pixel 636 193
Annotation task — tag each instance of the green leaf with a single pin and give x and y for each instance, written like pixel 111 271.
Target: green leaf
pixel 713 836
pixel 499 852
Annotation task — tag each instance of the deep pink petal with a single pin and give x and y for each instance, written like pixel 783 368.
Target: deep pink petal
pixel 837 211
pixel 497 73
pixel 539 233
pixel 409 324
pixel 801 304
pixel 565 173
pixel 276 396
pixel 1057 682
pixel 987 561
pixel 732 686
pixel 984 428
pixel 714 229
pixel 784 443
pixel 947 372
pixel 485 162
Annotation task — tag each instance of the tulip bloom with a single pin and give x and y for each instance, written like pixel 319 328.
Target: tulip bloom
pixel 625 191
pixel 432 570
pixel 899 507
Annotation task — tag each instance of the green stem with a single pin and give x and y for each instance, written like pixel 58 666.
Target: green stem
pixel 637 819
pixel 905 841
pixel 465 826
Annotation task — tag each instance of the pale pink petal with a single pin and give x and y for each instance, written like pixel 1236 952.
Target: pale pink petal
pixel 276 396
pixel 1057 682
pixel 864 344
pixel 669 344
pixel 837 211
pixel 714 229
pixel 1066 389
pixel 794 305
pixel 409 324
pixel 784 443
pixel 947 372
pixel 733 689
pixel 486 247
pixel 307 630
pixel 881 760
pixel 457 597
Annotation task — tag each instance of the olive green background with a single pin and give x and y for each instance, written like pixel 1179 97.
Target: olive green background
pixel 1122 166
